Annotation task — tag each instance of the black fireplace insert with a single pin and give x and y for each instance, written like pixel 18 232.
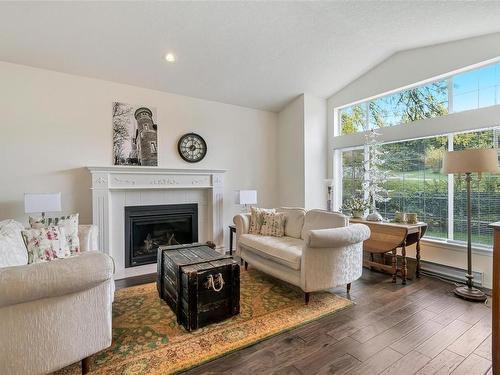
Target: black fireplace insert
pixel 147 227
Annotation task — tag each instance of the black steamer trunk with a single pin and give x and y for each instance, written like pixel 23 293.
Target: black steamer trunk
pixel 199 284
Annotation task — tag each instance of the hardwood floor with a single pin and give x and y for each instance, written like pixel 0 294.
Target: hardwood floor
pixel 420 328
pixel 135 280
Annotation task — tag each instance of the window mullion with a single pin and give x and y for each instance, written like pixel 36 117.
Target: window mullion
pixel 451 194
pixel 338 176
pixel 450 95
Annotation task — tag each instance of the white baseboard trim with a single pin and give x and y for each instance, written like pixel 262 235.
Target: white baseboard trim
pixel 449 273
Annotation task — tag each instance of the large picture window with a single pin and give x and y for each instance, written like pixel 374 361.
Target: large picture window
pixel 473 89
pixel 485 196
pixel 415 184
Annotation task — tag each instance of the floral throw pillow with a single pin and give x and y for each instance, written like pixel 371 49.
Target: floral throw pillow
pixel 273 224
pixel 70 225
pixel 45 244
pixel 257 219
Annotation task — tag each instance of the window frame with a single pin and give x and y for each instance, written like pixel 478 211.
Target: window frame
pixel 474 119
pixel 448 77
pixel 450 240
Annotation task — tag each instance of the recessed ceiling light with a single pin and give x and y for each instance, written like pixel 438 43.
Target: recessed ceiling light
pixel 170 57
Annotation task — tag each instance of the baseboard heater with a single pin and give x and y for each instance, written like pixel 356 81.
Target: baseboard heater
pixel 449 273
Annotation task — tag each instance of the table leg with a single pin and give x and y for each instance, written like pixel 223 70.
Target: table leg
pixel 417 271
pixel 404 268
pixel 394 265
pixel 230 242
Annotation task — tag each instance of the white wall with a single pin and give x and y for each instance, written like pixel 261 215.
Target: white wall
pixel 291 154
pixel 315 152
pixel 407 68
pixel 415 65
pixel 53 125
pixel 303 153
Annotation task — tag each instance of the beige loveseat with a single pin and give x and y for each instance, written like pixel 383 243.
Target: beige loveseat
pixel 319 251
pixel 56 313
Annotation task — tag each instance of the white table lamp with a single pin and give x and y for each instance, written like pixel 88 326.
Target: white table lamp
pixel 48 202
pixel 468 162
pixel 247 197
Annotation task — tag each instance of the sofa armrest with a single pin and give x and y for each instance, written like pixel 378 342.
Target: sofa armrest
pixel 338 237
pixel 88 235
pixel 59 277
pixel 242 223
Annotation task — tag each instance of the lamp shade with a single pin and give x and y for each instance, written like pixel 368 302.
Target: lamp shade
pixel 247 197
pixel 471 161
pixel 50 202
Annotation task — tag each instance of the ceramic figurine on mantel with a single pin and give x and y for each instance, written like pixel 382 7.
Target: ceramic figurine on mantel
pixel 375 174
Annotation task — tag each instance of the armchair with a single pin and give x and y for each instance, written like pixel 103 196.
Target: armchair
pixel 56 313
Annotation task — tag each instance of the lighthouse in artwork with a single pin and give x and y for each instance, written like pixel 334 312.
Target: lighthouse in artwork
pixel 145 141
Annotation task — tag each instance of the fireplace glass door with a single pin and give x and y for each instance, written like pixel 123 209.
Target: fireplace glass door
pixel 148 227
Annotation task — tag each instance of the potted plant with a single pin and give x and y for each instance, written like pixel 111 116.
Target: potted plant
pixel 356 206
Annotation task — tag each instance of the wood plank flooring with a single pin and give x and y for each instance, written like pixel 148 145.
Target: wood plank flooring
pixel 420 328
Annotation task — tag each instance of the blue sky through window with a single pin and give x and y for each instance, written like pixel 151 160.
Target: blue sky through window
pixel 477 88
pixel 473 89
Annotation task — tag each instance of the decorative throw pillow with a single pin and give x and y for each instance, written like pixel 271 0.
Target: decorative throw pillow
pixel 70 225
pixel 273 224
pixel 294 220
pixel 256 218
pixel 45 244
pixel 12 249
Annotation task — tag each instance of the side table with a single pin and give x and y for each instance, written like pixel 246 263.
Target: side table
pixel 388 237
pixel 232 231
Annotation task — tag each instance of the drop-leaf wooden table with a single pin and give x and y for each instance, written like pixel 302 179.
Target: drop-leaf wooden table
pixel 388 237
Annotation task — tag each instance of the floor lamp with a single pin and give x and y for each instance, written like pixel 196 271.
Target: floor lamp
pixel 468 162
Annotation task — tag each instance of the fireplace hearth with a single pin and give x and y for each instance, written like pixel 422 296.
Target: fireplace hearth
pixel 147 227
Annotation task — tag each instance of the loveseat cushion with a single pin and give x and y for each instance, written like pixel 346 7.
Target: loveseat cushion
pixel 321 219
pixel 294 220
pixel 283 250
pixel 12 249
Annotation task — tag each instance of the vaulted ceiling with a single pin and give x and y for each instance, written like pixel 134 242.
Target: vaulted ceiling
pixel 253 54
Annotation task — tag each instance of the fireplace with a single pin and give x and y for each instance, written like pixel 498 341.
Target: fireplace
pixel 147 227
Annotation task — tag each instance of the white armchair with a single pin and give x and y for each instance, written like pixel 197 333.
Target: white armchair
pixel 56 313
pixel 319 251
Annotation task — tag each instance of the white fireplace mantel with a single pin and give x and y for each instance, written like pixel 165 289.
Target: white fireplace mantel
pixel 108 182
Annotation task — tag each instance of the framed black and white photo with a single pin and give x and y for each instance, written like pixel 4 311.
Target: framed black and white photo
pixel 135 135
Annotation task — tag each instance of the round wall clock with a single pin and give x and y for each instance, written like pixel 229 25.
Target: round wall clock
pixel 192 147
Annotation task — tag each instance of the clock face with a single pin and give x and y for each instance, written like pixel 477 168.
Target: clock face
pixel 192 147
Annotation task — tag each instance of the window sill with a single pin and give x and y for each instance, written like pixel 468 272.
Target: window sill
pixel 459 247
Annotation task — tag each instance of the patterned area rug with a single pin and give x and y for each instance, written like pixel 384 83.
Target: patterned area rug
pixel 147 339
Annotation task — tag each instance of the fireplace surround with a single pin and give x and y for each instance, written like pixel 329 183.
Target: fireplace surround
pixel 147 227
pixel 117 187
